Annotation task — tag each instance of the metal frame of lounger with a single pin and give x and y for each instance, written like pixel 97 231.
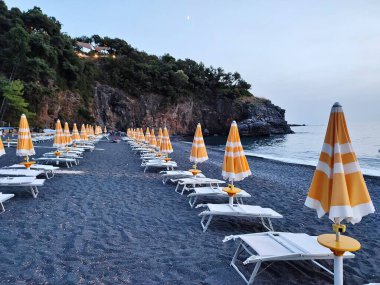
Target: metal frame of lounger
pixel 169 165
pixel 296 253
pixel 33 186
pixel 215 192
pixel 265 218
pixel 152 160
pixel 33 167
pixel 57 161
pixel 16 172
pixel 177 174
pixel 193 181
pixel 63 155
pixel 3 198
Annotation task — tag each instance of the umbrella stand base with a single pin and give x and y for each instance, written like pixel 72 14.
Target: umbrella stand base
pixel 344 244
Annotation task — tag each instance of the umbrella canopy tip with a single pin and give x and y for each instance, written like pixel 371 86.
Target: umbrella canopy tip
pixel 337 104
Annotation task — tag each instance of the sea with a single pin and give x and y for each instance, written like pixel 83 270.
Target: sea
pixel 305 145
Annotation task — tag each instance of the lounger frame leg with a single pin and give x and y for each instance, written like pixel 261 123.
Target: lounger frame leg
pixel 192 201
pixel 34 191
pixel 205 226
pixel 47 174
pixel 322 267
pixel 241 248
pixel 268 225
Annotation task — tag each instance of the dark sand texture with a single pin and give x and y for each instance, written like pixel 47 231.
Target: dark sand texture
pixel 113 224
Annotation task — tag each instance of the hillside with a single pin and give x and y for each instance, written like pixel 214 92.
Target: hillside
pixel 43 73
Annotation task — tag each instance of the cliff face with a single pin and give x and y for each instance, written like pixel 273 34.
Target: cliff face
pixel 255 116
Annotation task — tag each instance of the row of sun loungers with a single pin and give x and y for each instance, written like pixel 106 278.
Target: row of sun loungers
pixel 17 176
pixel 255 248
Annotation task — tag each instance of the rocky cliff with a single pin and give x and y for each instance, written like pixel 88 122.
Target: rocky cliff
pixel 255 116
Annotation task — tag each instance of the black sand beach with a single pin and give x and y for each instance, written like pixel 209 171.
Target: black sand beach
pixel 113 224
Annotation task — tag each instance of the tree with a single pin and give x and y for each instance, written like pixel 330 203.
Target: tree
pixel 13 92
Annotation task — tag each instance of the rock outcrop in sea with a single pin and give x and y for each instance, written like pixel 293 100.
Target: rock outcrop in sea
pixel 255 116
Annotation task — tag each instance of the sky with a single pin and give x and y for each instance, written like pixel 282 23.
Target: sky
pixel 302 55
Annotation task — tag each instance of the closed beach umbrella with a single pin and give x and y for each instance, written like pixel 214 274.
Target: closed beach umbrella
pixel 198 149
pixel 159 138
pixel 75 135
pixel 59 139
pixel 67 135
pixel 83 133
pixel 141 135
pixel 24 141
pixel 133 133
pixel 235 164
pixel 153 141
pixel 338 188
pixel 147 135
pixel 2 150
pixel 166 145
pixel 105 129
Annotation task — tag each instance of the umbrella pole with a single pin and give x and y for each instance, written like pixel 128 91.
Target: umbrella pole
pixel 231 199
pixel 338 244
pixel 338 269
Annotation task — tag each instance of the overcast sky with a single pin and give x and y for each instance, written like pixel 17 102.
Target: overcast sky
pixel 303 55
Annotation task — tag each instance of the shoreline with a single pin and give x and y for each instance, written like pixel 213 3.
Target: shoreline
pixel 366 172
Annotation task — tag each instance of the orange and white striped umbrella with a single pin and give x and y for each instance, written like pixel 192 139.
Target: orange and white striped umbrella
pixel 59 139
pixel 92 130
pixel 136 134
pixel 83 133
pixel 166 145
pixel 198 149
pixel 129 132
pixel 75 134
pixel 159 138
pixel 153 141
pixel 67 135
pixel 24 141
pixel 147 135
pixel 141 135
pixel 235 164
pixel 2 150
pixel 338 186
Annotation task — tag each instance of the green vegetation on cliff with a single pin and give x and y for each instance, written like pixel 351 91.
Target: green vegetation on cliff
pixel 34 51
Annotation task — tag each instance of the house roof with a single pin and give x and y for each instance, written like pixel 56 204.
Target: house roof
pixel 101 48
pixel 85 45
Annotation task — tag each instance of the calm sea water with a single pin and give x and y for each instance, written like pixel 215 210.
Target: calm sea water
pixel 304 146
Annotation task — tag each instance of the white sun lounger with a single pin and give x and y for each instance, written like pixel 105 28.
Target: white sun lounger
pixel 58 160
pixel 31 183
pixel 63 155
pixel 191 182
pixel 20 172
pixel 212 192
pixel 277 246
pixel 48 169
pixel 170 165
pixel 3 198
pixel 176 174
pixel 237 210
